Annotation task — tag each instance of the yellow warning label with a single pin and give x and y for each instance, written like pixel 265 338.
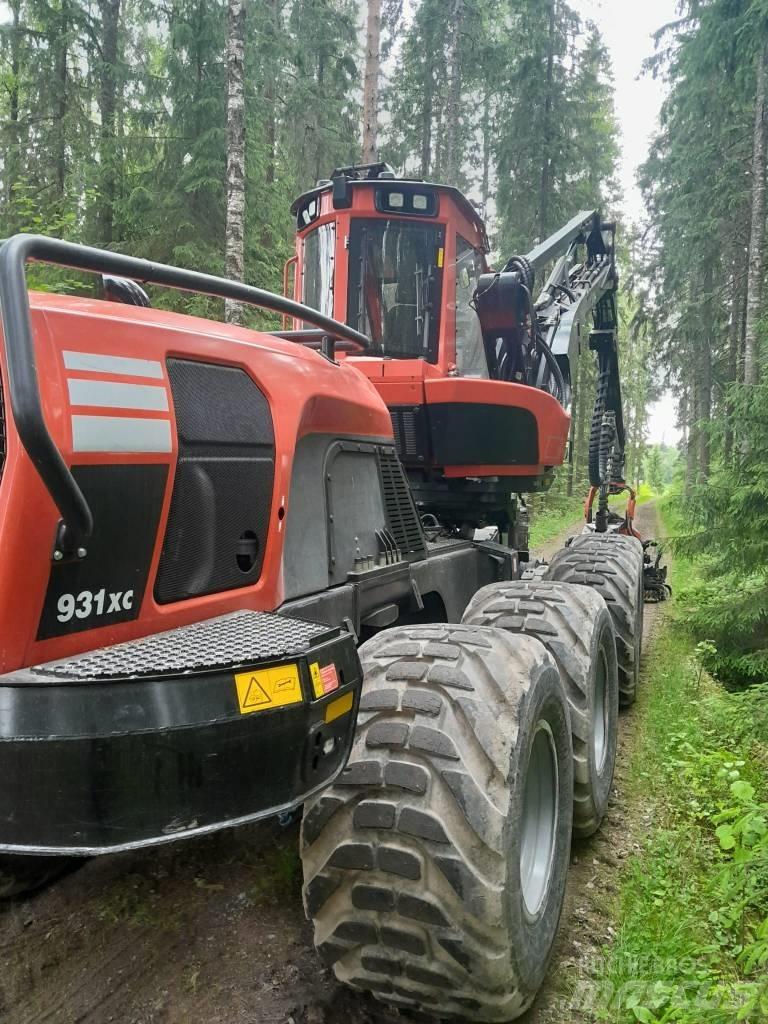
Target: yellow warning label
pixel 317 680
pixel 262 689
pixel 440 257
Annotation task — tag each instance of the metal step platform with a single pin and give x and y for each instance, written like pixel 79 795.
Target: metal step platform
pixel 210 725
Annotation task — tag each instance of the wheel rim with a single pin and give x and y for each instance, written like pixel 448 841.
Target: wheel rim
pixel 600 713
pixel 539 822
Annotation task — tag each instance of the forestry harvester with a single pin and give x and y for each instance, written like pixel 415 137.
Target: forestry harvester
pixel 240 573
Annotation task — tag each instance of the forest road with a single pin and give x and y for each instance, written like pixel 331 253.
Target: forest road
pixel 212 931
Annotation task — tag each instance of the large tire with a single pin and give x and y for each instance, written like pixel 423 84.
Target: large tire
pixel 435 866
pixel 613 565
pixel 575 626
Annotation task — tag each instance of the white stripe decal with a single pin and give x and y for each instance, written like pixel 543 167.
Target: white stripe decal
pixel 113 395
pixel 120 434
pixel 113 364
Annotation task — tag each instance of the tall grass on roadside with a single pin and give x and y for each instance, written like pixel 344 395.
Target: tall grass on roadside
pixel 692 934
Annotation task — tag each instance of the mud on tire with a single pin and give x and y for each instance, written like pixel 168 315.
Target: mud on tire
pixel 435 866
pixel 575 626
pixel 613 565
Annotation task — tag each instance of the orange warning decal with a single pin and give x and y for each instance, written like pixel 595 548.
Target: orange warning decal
pixel 262 689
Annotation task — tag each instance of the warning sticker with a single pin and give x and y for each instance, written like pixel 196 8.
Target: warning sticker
pixel 324 680
pixel 262 689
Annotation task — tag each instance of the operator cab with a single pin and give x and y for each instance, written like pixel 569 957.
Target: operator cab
pixel 403 261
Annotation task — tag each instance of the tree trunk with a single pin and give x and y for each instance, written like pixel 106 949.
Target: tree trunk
pixel 485 183
pixel 754 276
pixel 61 79
pixel 426 123
pixel 703 407
pixel 734 346
pixel 13 158
pixel 270 95
pixel 685 439
pixel 545 182
pixel 704 346
pixel 110 22
pixel 453 112
pixel 371 83
pixel 692 448
pixel 318 141
pixel 234 246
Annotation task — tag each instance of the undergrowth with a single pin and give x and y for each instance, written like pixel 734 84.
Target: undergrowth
pixel 551 515
pixel 692 940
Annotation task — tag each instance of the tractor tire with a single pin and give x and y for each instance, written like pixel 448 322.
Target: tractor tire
pixel 21 874
pixel 435 867
pixel 613 566
pixel 575 626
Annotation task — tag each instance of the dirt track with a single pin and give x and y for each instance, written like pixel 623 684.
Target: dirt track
pixel 213 931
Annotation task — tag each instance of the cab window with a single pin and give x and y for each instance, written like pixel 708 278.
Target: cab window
pixel 395 281
pixel 470 352
pixel 317 269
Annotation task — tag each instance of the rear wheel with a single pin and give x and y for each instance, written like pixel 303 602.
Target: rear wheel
pixel 435 867
pixel 574 624
pixel 613 566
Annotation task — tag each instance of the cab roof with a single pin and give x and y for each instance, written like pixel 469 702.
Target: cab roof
pixel 378 175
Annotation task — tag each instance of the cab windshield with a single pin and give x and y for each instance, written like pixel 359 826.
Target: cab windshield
pixel 395 278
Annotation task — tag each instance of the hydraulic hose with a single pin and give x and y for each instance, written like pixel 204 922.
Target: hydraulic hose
pixel 596 427
pixel 554 369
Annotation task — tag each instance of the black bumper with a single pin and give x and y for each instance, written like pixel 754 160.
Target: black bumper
pixel 152 741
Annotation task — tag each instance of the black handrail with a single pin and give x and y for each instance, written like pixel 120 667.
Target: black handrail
pixel 77 520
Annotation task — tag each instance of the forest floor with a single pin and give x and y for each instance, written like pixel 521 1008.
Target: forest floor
pixel 212 930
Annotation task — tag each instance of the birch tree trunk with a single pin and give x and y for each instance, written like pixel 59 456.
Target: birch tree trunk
pixel 371 83
pixel 754 275
pixel 234 246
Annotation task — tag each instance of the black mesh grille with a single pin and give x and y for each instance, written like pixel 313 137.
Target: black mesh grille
pixel 402 517
pixel 219 518
pixel 404 425
pixel 409 425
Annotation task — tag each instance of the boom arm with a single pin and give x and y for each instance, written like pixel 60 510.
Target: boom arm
pixel 539 343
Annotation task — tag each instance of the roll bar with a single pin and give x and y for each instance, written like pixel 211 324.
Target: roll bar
pixel 76 524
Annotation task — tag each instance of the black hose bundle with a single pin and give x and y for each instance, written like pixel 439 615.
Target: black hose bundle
pixel 596 427
pixel 523 267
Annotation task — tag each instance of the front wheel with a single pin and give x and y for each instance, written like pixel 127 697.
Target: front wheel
pixel 435 867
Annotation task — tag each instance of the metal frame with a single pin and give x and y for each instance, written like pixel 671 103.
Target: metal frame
pixel 77 520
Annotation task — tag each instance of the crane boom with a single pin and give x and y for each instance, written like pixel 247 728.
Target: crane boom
pixel 581 284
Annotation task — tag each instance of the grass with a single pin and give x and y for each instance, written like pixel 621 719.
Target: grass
pixel 644 493
pixel 560 513
pixel 692 936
